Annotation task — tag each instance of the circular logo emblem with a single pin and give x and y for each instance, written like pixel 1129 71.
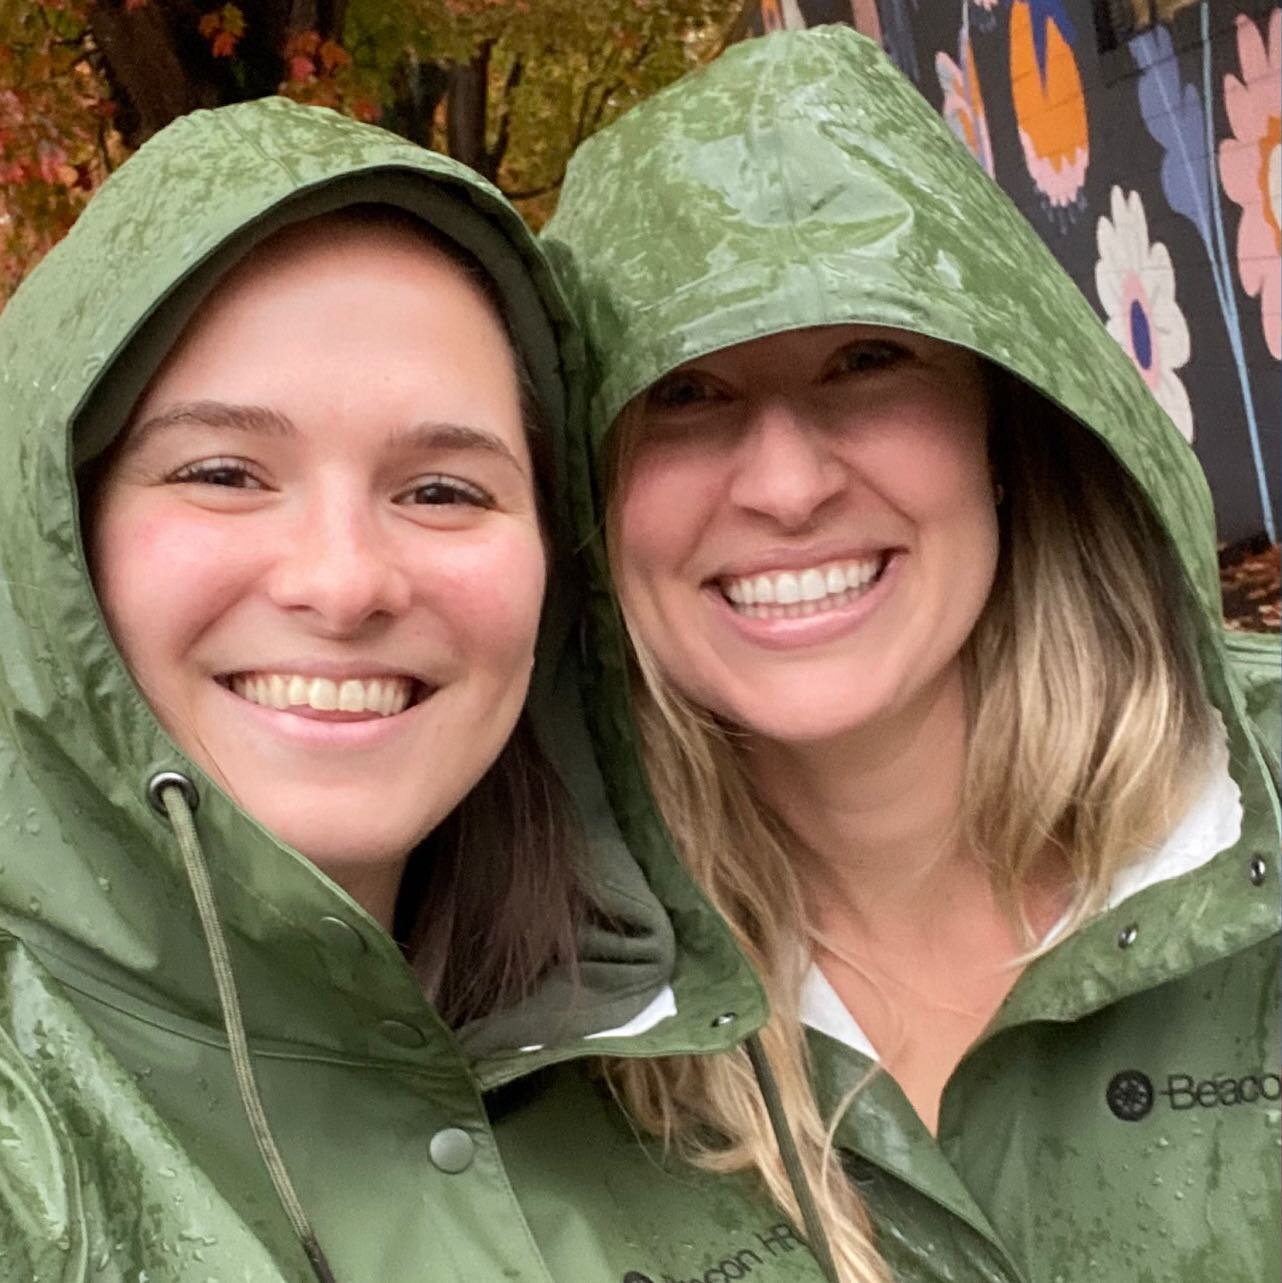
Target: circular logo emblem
pixel 635 1276
pixel 1130 1095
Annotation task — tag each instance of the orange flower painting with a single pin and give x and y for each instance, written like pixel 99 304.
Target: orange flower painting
pixel 1050 108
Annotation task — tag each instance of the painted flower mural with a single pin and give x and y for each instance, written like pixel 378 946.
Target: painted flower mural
pixel 1251 168
pixel 1136 286
pixel 963 107
pixel 1050 108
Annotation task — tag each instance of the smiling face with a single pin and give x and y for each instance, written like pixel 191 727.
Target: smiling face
pixel 317 545
pixel 803 531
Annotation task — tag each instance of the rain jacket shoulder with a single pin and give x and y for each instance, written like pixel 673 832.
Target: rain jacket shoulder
pixel 417 1152
pixel 1119 1119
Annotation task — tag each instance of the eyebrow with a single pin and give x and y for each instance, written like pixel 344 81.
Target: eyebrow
pixel 215 414
pixel 262 421
pixel 455 436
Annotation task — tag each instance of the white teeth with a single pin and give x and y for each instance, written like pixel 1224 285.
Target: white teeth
pixel 384 696
pixel 279 689
pixel 322 695
pixel 813 585
pixel 787 589
pixel 792 594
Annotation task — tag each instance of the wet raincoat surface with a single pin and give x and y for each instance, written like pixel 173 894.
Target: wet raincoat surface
pixel 1119 1118
pixel 417 1153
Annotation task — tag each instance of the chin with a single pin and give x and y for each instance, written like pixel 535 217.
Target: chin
pixel 334 840
pixel 798 716
pixel 800 729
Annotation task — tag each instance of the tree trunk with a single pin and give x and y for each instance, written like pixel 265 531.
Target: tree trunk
pixel 465 105
pixel 155 74
pixel 417 90
pixel 159 66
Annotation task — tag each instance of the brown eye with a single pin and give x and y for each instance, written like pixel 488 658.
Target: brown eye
pixel 867 356
pixel 681 390
pixel 231 474
pixel 439 491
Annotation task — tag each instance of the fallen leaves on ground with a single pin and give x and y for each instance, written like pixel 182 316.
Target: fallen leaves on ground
pixel 1252 586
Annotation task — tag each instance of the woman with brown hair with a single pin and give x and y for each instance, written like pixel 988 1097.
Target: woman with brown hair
pixel 313 916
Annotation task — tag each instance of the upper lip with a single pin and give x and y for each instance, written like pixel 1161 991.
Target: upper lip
pixel 772 560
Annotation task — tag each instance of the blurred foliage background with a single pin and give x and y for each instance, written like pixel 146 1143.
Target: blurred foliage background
pixel 509 87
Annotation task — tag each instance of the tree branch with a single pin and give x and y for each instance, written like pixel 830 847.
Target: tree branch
pixel 510 84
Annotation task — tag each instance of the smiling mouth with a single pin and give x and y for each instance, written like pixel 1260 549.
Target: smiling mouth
pixel 809 590
pixel 349 698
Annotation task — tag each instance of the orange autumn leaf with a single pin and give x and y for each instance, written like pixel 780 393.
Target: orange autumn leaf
pixel 302 43
pixel 333 56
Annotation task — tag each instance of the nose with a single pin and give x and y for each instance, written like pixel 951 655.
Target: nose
pixel 787 468
pixel 340 566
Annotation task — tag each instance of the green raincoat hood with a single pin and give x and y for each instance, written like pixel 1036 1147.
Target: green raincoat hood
pixel 90 877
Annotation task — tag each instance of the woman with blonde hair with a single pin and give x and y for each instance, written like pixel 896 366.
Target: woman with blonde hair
pixel 930 682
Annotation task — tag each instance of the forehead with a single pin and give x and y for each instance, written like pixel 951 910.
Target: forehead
pixel 343 250
pixel 362 295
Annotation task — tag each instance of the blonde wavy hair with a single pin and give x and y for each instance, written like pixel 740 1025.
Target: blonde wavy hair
pixel 1088 727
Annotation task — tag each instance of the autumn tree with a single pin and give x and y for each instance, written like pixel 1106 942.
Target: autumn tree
pixel 510 87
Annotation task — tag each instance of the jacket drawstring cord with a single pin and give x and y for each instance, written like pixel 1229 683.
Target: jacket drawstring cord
pixel 173 795
pixel 816 1237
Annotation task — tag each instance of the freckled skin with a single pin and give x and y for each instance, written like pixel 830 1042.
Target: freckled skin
pixel 329 553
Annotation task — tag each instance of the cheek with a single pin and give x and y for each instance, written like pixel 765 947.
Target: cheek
pixel 664 509
pixel 162 578
pixel 489 592
pixel 934 465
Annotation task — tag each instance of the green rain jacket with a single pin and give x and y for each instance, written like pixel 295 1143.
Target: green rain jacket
pixel 801 181
pixel 419 1155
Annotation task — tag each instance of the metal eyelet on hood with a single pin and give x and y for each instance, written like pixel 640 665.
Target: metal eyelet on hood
pixel 162 780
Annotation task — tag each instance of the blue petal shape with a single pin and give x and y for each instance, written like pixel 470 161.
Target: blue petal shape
pixel 1173 115
pixel 1042 12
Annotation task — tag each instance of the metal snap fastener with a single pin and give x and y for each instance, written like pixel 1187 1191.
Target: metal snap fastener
pixel 1257 870
pixel 401 1034
pixel 162 780
pixel 725 1018
pixel 342 935
pixel 1127 936
pixel 451 1150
